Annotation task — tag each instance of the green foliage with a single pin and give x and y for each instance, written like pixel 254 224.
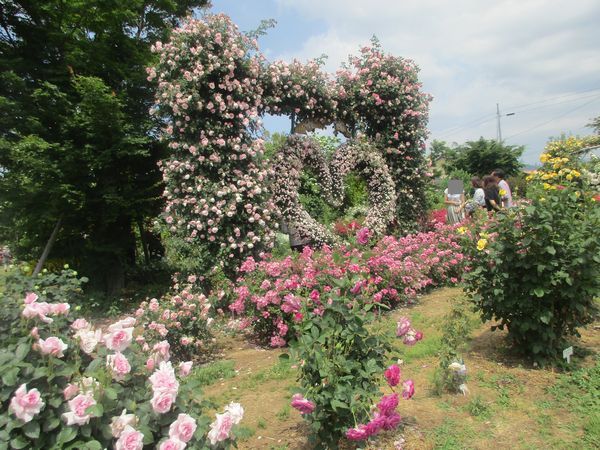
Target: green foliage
pixel 536 269
pixel 340 365
pixel 483 156
pixel 76 140
pixel 456 331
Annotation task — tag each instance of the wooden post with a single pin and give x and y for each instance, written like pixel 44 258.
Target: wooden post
pixel 48 247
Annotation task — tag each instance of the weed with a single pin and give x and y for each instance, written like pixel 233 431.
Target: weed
pixel 261 423
pixel 283 413
pixel 477 407
pixel 243 433
pixel 211 373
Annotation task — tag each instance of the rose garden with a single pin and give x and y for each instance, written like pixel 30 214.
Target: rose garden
pixel 390 329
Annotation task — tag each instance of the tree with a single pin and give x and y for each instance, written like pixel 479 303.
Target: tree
pixel 483 156
pixel 76 141
pixel 595 125
pixel 439 150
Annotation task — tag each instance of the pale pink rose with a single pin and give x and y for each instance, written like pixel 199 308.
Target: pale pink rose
pixel 185 368
pixel 172 444
pixel 34 333
pixel 77 410
pixel 236 412
pixel 30 298
pixel 162 401
pixel 150 364
pixel 39 310
pixel 119 340
pixel 130 439
pixel 80 324
pixel 118 365
pixel 128 322
pixel 183 428
pixel 192 279
pixel 26 404
pixel 52 346
pixel 70 391
pixel 88 339
pixel 163 379
pixel 161 351
pixel 60 308
pixel 220 428
pixel 119 423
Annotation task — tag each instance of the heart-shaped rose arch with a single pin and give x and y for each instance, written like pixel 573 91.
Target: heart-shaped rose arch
pixel 355 155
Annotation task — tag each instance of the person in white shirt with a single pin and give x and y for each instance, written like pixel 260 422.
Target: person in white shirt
pixel 505 192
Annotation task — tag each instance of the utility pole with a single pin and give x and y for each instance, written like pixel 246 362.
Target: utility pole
pixel 499 128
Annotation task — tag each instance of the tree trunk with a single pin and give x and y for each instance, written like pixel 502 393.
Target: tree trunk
pixel 48 247
pixel 143 239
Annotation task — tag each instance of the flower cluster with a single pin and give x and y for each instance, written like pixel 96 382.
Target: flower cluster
pixel 302 91
pixel 271 294
pixel 381 94
pixel 356 156
pixel 83 381
pixel 209 95
pixel 181 318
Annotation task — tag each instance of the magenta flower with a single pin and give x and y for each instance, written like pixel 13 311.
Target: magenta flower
pixel 388 403
pixel 301 404
pixel 363 235
pixel 392 375
pixel 359 433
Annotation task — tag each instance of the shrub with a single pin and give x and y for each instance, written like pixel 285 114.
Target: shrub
pixel 340 368
pixel 536 269
pixel 451 375
pixel 66 385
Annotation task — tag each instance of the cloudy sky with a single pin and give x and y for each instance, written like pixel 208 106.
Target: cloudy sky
pixel 537 58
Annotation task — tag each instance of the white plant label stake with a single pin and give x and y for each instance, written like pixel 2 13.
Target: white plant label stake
pixel 567 352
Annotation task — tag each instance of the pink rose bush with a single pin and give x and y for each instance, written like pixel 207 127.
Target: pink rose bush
pixel 83 381
pixel 269 293
pixel 181 319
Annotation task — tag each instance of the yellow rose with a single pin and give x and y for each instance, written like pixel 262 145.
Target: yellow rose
pixel 481 243
pixel 502 192
pixel 461 230
pixel 569 177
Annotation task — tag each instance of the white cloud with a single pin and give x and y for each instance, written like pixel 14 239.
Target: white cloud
pixel 474 53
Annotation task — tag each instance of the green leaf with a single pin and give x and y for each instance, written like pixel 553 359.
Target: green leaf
pixel 93 445
pixel 32 430
pixel 338 404
pixel 51 424
pixel 546 317
pixel 551 250
pixel 95 410
pixel 10 377
pixel 67 434
pixel 110 393
pixel 22 351
pixel 18 443
pixel 539 292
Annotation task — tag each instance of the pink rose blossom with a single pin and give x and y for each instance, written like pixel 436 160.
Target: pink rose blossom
pixel 80 324
pixel 130 439
pixel 30 298
pixel 392 375
pixel 119 423
pixel 39 310
pixel 172 444
pixel 185 368
pixel 88 339
pixel 61 309
pixel 77 410
pixel 357 434
pixel 119 339
pixel 183 428
pixel 118 365
pixel 52 346
pixel 161 351
pixel 162 401
pixel 363 235
pixel 408 389
pixel 26 404
pixel 403 326
pixel 70 391
pixel 34 333
pixel 301 404
pixel 220 428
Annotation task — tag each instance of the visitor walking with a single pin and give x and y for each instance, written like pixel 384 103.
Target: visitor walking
pixel 492 193
pixel 455 206
pixel 505 192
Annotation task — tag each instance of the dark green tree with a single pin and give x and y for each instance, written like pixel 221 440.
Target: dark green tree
pixel 483 156
pixel 439 150
pixel 595 124
pixel 77 146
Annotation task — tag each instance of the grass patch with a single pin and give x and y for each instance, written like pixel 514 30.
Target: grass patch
pixel 243 433
pixel 211 373
pixel 426 348
pixel 283 413
pixel 477 407
pixel 261 423
pixel 452 435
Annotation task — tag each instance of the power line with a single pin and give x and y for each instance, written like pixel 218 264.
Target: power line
pixel 555 118
pixel 489 117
